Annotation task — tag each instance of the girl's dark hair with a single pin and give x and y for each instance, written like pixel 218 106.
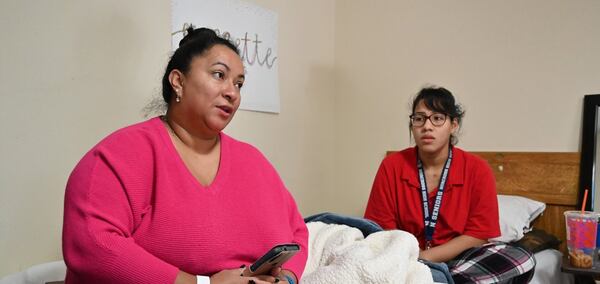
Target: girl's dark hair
pixel 439 99
pixel 194 43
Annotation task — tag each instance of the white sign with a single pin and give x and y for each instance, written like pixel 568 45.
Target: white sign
pixel 253 29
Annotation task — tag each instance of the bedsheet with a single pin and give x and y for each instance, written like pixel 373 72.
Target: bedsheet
pixel 547 268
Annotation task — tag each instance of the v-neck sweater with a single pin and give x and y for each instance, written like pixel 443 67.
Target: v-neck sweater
pixel 134 213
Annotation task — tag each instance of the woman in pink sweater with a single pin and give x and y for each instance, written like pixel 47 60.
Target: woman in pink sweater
pixel 175 200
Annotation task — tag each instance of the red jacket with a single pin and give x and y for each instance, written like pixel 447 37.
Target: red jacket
pixel 469 204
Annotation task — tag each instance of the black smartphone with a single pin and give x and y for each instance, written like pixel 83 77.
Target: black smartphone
pixel 275 257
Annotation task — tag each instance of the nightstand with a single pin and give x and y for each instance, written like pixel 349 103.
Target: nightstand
pixel 581 275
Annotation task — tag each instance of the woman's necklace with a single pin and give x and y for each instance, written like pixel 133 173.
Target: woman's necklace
pixel 170 129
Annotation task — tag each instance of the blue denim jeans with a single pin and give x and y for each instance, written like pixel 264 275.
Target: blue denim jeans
pixel 366 226
pixel 439 271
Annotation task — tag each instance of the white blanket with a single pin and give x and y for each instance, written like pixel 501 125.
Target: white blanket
pixel 38 274
pixel 340 254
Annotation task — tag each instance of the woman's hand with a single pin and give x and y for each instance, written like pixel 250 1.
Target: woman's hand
pixel 236 276
pixel 280 274
pixel 228 276
pixel 277 275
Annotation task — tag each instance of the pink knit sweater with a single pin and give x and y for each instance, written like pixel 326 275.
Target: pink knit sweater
pixel 135 214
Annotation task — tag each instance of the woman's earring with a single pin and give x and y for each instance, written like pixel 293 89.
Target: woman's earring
pixel 178 98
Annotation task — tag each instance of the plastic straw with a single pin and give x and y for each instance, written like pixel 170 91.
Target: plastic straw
pixel 584 201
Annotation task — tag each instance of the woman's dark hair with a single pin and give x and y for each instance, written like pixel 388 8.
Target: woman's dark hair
pixel 194 43
pixel 439 99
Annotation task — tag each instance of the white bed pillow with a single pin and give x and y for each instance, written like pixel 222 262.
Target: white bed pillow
pixel 516 214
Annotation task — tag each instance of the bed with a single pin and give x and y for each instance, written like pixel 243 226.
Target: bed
pixel 534 190
pixel 551 178
pixel 548 177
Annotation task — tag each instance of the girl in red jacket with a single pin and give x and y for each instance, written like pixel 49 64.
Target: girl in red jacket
pixel 445 196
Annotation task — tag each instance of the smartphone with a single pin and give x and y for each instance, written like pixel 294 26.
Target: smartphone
pixel 275 257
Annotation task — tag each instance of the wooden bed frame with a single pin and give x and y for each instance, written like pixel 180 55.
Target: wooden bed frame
pixel 549 177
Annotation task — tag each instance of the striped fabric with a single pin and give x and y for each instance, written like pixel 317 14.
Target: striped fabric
pixel 493 263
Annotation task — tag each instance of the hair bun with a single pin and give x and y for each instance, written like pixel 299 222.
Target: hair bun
pixel 192 33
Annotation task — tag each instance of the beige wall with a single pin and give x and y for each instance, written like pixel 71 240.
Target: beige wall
pixel 300 140
pixel 73 71
pixel 520 68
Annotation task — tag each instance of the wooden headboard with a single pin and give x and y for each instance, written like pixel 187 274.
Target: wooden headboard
pixel 549 177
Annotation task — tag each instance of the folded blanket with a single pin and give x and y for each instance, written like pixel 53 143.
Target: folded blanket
pixel 340 254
